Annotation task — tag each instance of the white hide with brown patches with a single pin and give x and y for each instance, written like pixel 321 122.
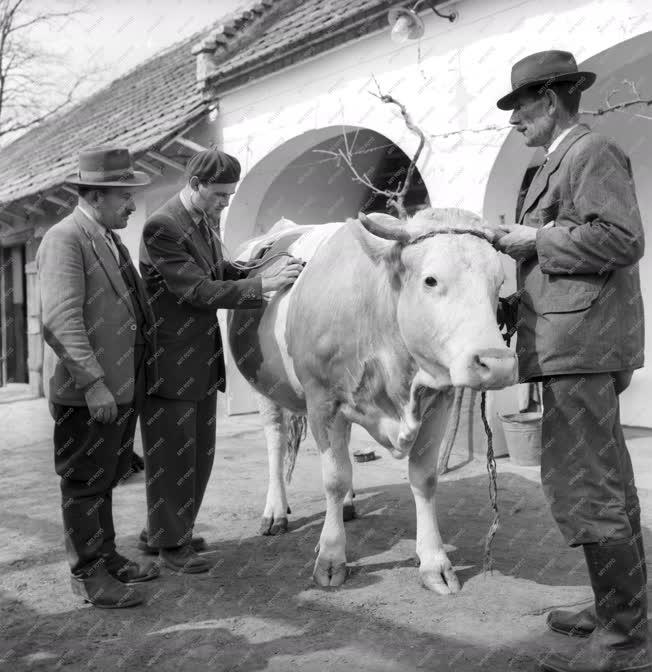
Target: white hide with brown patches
pixel 378 333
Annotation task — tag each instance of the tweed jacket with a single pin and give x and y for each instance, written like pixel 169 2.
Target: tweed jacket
pixel 580 308
pixel 89 322
pixel 185 289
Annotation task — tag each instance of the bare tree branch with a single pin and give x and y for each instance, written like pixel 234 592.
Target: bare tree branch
pixel 398 201
pixel 32 79
pixel 35 121
pixel 347 157
pixel 396 197
pixel 608 107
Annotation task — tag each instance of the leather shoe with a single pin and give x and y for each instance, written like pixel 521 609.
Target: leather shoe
pixel 104 591
pixel 572 623
pixel 128 571
pixel 183 559
pixel 198 544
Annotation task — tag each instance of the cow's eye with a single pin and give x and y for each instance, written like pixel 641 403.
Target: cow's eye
pixel 430 281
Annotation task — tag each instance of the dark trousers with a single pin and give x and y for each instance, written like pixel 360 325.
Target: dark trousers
pixel 91 458
pixel 178 449
pixel 586 471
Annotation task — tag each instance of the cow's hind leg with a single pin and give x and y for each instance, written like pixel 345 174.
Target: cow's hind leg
pixel 437 573
pixel 332 435
pixel 276 432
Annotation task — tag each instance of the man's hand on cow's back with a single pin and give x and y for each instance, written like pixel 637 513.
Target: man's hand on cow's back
pixel 515 240
pixel 282 275
pixel 101 403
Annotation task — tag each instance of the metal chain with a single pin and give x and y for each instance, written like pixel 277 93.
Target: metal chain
pixel 493 486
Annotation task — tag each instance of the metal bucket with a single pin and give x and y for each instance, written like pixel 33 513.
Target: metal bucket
pixel 523 437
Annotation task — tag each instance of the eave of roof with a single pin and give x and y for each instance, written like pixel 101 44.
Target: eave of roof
pixel 289 40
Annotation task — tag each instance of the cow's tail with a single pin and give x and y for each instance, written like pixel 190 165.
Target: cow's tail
pixel 297 427
pixel 451 430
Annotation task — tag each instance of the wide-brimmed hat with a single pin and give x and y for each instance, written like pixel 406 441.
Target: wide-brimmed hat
pixel 545 68
pixel 107 167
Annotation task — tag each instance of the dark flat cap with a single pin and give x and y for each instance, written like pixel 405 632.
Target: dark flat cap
pixel 214 166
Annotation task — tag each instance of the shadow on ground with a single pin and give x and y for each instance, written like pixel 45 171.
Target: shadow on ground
pixel 258 608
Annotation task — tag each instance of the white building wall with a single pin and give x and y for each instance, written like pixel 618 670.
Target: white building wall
pixel 449 82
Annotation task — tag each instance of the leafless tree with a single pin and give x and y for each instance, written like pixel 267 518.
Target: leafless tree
pixel 35 82
pixel 395 197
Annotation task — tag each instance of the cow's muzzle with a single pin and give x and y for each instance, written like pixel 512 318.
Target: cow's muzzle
pixel 488 369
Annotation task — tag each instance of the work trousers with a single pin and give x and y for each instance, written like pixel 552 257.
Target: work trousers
pixel 91 457
pixel 178 449
pixel 586 470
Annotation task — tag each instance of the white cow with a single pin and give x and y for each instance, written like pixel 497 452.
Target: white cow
pixel 385 321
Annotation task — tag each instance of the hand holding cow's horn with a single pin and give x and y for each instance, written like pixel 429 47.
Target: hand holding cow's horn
pixel 278 277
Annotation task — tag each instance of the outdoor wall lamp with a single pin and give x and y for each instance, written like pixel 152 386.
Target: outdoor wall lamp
pixel 408 25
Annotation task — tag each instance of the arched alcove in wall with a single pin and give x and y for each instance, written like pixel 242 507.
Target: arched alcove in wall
pixel 632 129
pixel 301 181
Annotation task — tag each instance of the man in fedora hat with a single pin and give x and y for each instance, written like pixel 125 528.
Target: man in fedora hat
pixel 97 325
pixel 188 279
pixel 577 242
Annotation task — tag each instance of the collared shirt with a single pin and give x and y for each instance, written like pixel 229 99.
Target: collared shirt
pixel 192 211
pixel 103 231
pixel 200 221
pixel 196 215
pixel 557 141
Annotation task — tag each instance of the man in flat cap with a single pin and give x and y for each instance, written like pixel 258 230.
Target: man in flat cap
pixel 188 279
pixel 97 326
pixel 580 332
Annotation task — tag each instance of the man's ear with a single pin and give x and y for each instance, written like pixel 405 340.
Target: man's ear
pixel 552 99
pixel 96 197
pixel 194 183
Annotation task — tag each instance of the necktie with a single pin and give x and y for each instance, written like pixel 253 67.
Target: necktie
pixel 208 237
pixel 110 241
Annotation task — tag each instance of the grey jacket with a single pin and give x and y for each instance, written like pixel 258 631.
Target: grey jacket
pixel 89 324
pixel 580 307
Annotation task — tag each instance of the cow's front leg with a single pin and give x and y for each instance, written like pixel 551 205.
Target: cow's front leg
pixel 437 573
pixel 274 519
pixel 348 512
pixel 333 439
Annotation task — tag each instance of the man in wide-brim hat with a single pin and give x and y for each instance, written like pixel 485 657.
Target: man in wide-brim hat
pixel 98 328
pixel 577 241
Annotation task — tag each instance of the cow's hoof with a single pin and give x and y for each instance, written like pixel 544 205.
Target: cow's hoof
pixel 328 574
pixel 272 526
pixel 348 512
pixel 444 581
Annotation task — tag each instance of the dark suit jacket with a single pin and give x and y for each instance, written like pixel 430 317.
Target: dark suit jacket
pixel 89 322
pixel 580 305
pixel 185 290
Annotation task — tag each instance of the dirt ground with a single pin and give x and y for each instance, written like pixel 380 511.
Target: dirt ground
pixel 258 609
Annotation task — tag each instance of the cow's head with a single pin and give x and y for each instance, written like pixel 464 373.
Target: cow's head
pixel 447 291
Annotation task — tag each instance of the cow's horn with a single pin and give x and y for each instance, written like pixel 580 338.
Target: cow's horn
pixel 383 230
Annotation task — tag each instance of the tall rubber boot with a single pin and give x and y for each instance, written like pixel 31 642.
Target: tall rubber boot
pixel 619 642
pixel 582 623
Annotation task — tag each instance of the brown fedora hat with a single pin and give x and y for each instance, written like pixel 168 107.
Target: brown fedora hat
pixel 545 68
pixel 107 167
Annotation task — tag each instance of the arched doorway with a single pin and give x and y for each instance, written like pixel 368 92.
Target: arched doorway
pixel 630 60
pixel 302 181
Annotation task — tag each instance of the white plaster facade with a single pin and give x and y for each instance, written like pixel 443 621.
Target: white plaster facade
pixel 449 81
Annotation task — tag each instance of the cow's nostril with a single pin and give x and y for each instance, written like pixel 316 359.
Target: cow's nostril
pixel 479 363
